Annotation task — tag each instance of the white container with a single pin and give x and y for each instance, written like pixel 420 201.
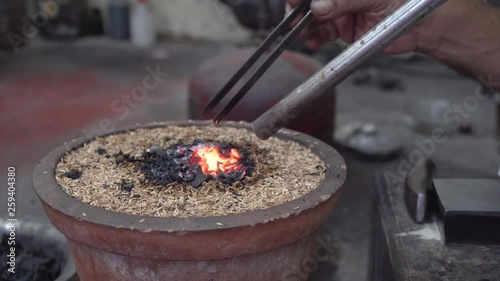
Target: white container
pixel 142 28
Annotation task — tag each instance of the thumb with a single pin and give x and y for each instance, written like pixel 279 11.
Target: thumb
pixel 326 10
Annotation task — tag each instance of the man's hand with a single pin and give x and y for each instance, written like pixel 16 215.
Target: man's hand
pixel 462 33
pixel 350 19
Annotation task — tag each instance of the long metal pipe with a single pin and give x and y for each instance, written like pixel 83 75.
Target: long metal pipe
pixel 336 71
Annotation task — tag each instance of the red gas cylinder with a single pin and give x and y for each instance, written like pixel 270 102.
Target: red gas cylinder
pixel 288 72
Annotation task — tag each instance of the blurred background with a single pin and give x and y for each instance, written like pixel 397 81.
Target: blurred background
pixel 73 68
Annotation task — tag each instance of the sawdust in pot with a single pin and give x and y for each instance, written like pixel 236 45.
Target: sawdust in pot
pixel 109 176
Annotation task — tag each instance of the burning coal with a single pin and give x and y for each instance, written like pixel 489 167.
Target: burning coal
pixel 196 163
pixel 213 162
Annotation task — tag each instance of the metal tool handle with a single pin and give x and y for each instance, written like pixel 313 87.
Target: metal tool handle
pixel 377 39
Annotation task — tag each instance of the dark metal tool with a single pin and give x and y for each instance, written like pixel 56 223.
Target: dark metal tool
pixel 469 210
pixel 303 7
pixel 418 184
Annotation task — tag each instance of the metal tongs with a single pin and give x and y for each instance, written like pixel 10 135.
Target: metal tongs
pixel 300 99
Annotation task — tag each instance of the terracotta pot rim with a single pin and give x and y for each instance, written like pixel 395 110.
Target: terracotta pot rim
pixel 49 191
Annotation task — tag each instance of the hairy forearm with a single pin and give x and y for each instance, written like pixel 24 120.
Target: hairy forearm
pixel 466 35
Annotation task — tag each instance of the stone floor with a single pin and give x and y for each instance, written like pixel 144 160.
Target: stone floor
pixel 51 92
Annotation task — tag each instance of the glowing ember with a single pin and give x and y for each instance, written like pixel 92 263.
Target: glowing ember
pixel 213 162
pixel 196 163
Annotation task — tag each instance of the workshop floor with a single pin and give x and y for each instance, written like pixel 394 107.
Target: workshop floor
pixel 54 92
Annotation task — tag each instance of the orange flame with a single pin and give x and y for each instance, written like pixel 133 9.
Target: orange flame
pixel 212 161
